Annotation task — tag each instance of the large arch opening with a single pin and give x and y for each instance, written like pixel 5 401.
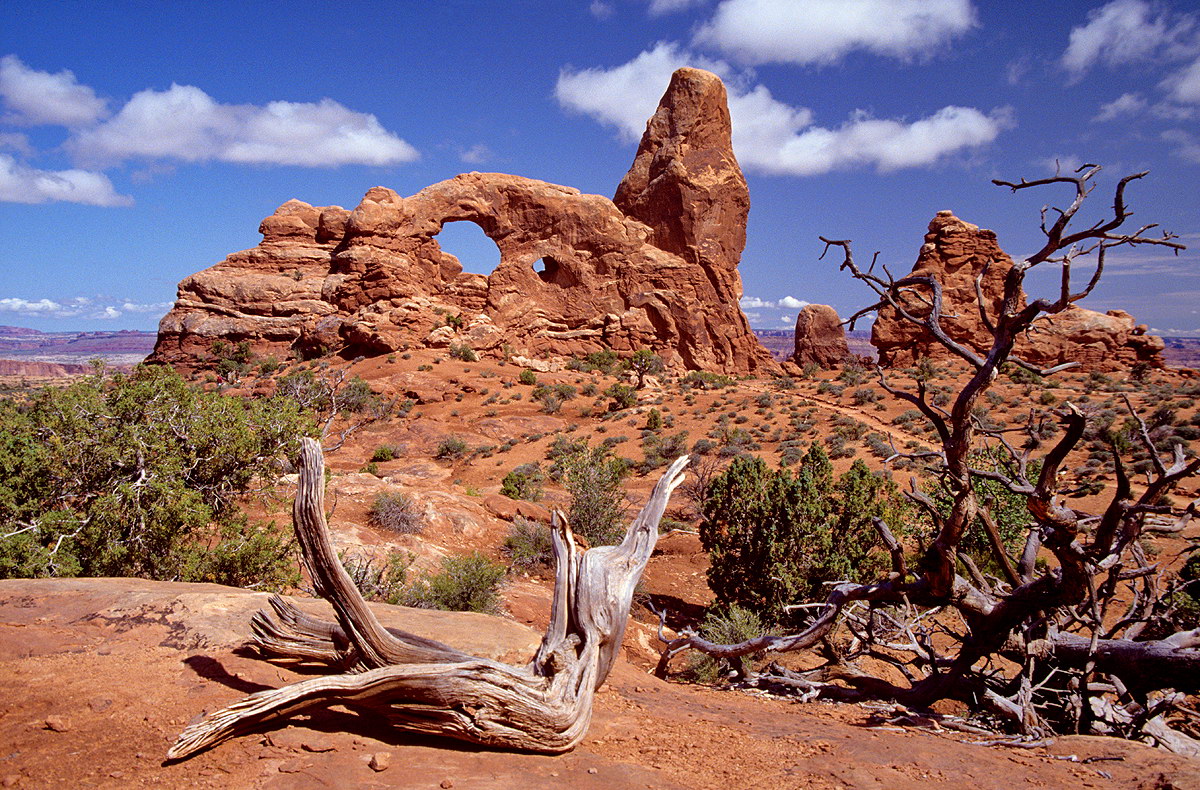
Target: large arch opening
pixel 466 241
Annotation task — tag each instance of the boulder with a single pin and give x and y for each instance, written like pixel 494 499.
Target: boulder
pixel 956 253
pixel 820 338
pixel 656 269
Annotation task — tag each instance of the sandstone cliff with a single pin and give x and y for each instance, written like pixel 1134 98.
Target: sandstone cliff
pixel 656 269
pixel 956 252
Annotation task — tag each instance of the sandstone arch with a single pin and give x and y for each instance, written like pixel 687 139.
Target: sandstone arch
pixel 655 269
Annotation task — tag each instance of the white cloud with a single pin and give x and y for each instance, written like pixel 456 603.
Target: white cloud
pixel 20 183
pixel 476 154
pixel 792 303
pixel 1125 104
pixel 185 123
pixel 153 307
pixel 661 7
pixel 601 9
pixel 823 31
pixel 39 97
pixel 1121 32
pixel 1184 86
pixel 1060 164
pixel 15 141
pixel 626 95
pixel 770 136
pixel 92 308
pixel 754 302
pixel 10 304
pixel 1187 146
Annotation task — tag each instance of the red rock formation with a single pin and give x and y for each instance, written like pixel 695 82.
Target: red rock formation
pixel 657 272
pixel 820 338
pixel 955 252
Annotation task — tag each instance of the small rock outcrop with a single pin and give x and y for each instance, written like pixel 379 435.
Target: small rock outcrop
pixel 657 269
pixel 955 252
pixel 820 338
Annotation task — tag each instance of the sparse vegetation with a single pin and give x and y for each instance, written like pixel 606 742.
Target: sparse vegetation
pixel 395 512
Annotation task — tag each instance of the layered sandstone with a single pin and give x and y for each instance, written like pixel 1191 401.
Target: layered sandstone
pixel 956 253
pixel 820 339
pixel 577 273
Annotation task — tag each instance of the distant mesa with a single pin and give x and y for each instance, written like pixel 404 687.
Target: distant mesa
pixel 656 268
pixel 956 253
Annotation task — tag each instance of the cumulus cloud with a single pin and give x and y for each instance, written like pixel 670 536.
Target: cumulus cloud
pixel 661 7
pixel 476 154
pixel 39 97
pixel 1060 164
pixel 1187 146
pixel 1184 85
pixel 626 95
pixel 753 302
pixel 770 136
pixel 601 9
pixel 185 123
pixel 1121 32
pixel 20 183
pixel 78 306
pixel 1125 104
pixel 821 32
pixel 14 141
pixel 792 303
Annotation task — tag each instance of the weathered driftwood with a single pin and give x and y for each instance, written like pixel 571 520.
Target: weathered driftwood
pixel 428 687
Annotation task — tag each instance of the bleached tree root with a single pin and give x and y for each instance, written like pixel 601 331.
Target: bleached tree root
pixel 428 687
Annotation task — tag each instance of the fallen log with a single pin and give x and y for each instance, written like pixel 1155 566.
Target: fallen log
pixel 427 687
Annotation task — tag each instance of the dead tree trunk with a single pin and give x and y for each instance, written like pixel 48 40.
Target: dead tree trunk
pixel 1048 624
pixel 428 687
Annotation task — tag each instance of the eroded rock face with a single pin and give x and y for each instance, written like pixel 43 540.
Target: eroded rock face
pixel 956 252
pixel 577 273
pixel 820 338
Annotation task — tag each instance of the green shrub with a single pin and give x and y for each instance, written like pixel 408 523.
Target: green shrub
pixel 524 482
pixel 527 377
pixel 468 583
pixel 451 449
pixel 384 452
pixel 643 363
pixel 592 478
pixel 379 581
pixel 528 544
pixel 622 396
pixel 395 512
pixel 464 352
pixel 704 380
pixel 774 537
pixel 604 361
pixel 141 475
pixel 726 624
pixel 654 420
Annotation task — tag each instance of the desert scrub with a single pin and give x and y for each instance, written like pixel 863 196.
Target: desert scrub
pixel 450 449
pixel 524 482
pixel 395 512
pixel 527 377
pixel 467 583
pixel 143 475
pixel 379 580
pixel 528 544
pixel 462 351
pixel 726 624
pixel 384 452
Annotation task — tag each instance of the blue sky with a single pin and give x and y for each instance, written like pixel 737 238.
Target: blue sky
pixel 142 142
